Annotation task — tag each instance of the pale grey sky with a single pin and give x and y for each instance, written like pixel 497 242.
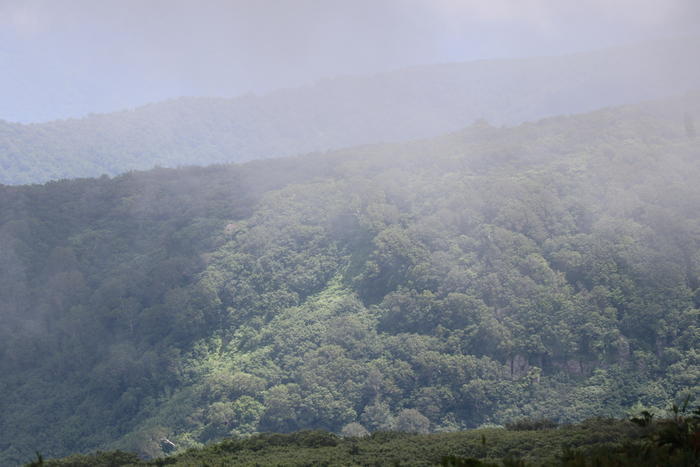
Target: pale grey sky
pixel 63 58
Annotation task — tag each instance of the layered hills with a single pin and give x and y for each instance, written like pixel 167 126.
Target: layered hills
pixel 545 270
pixel 335 113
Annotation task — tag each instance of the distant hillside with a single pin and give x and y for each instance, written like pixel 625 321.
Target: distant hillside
pixel 547 270
pixel 406 104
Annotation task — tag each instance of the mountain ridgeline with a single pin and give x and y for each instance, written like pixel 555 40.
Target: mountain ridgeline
pixel 546 270
pixel 335 113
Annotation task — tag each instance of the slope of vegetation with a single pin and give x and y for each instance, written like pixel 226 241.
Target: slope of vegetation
pixel 548 270
pixel 644 441
pixel 342 112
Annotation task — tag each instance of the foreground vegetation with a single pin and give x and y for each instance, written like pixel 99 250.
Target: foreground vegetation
pixel 549 270
pixel 644 441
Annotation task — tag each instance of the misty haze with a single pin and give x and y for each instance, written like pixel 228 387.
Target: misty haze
pixel 390 232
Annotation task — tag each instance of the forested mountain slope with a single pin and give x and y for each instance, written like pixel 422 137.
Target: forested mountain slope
pixel 335 113
pixel 546 270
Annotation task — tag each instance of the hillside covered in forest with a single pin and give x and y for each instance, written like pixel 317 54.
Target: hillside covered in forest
pixel 347 111
pixel 549 270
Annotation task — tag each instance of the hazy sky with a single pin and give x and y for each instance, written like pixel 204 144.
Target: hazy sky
pixel 69 57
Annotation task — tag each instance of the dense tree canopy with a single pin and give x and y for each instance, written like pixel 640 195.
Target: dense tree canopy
pixel 548 270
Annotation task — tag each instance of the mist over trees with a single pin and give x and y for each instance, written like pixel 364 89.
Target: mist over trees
pixel 546 270
pixel 341 112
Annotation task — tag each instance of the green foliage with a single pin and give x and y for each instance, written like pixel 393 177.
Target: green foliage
pixel 98 459
pixel 595 442
pixel 527 424
pixel 548 271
